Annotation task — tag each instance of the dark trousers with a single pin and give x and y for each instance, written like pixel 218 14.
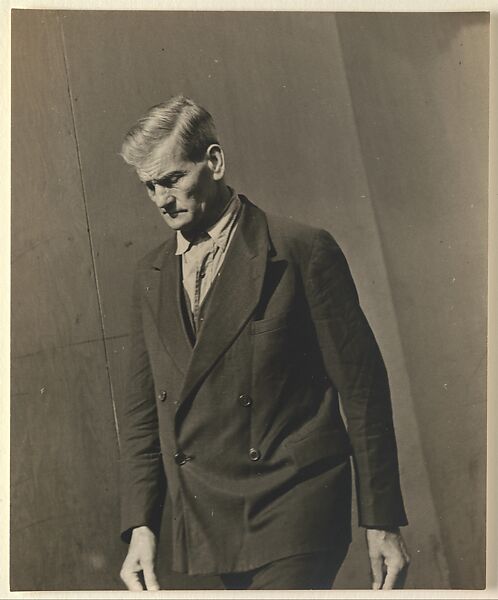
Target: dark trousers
pixel 312 571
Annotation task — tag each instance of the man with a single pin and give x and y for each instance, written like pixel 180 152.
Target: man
pixel 246 327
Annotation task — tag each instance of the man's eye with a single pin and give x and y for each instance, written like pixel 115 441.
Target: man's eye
pixel 165 182
pixel 168 181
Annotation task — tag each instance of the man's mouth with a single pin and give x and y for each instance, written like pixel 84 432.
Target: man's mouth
pixel 173 213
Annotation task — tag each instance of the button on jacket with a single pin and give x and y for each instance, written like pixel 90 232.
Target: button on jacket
pixel 249 443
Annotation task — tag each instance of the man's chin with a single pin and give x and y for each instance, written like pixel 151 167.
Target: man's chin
pixel 179 222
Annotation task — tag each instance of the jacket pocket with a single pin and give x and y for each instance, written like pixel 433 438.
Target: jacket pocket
pixel 273 324
pixel 319 444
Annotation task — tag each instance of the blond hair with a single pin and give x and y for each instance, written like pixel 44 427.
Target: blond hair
pixel 179 116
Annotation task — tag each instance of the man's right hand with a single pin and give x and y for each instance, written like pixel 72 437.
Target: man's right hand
pixel 141 556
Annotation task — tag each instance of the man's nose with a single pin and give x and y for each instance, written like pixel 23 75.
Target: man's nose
pixel 163 196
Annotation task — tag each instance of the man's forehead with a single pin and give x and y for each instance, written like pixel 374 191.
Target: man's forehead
pixel 166 156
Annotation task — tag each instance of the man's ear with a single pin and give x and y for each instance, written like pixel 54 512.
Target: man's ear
pixel 216 161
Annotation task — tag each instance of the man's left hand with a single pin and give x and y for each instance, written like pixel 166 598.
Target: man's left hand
pixel 389 558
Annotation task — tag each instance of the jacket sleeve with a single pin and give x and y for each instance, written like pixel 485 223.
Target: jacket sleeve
pixel 355 367
pixel 142 480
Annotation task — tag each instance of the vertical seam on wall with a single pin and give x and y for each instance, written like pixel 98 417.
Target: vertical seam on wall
pixel 90 240
pixel 396 321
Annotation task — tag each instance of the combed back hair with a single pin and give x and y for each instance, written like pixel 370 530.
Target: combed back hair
pixel 179 116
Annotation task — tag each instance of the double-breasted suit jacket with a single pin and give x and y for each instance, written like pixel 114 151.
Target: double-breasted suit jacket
pixel 243 428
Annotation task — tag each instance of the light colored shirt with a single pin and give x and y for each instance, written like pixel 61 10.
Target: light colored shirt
pixel 201 261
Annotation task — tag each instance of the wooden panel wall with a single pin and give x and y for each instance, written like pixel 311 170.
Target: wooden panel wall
pixel 419 85
pixel 275 155
pixel 63 502
pixel 287 118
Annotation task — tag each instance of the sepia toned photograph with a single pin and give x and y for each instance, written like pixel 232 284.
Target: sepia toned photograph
pixel 249 269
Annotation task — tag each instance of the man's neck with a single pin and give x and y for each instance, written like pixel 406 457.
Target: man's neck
pixel 224 197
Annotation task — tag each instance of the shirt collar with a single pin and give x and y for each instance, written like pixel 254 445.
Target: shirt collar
pixel 182 244
pixel 220 231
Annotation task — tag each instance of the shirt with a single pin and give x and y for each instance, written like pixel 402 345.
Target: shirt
pixel 202 260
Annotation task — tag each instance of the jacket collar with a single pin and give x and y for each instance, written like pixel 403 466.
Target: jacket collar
pixel 234 298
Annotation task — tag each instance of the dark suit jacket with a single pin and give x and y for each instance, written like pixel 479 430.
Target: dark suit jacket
pixel 244 428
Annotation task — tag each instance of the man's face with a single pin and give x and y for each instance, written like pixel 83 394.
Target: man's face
pixel 185 192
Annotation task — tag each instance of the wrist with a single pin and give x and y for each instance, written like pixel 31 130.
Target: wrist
pixel 375 535
pixel 142 530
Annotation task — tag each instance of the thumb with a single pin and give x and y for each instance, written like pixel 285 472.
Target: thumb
pixel 390 578
pixel 377 572
pixel 150 578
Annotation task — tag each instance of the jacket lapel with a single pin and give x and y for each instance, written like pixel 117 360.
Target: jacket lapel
pixel 235 295
pixel 163 295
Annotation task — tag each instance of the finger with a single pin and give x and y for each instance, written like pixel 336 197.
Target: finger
pixel 150 578
pixel 377 573
pixel 132 581
pixel 406 555
pixel 391 577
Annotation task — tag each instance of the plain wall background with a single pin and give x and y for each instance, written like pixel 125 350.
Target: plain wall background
pixel 373 126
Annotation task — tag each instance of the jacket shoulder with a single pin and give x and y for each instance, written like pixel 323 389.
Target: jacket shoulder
pixel 296 239
pixel 154 256
pixel 289 228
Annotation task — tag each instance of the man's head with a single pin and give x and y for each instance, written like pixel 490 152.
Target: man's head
pixel 175 151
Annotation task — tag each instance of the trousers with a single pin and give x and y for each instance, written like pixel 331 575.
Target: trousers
pixel 310 571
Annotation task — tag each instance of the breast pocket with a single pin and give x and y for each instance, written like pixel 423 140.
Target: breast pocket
pixel 268 325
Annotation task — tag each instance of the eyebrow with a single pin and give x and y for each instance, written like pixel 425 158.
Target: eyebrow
pixel 164 178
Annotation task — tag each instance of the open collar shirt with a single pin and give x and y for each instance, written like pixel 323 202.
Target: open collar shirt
pixel 202 260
